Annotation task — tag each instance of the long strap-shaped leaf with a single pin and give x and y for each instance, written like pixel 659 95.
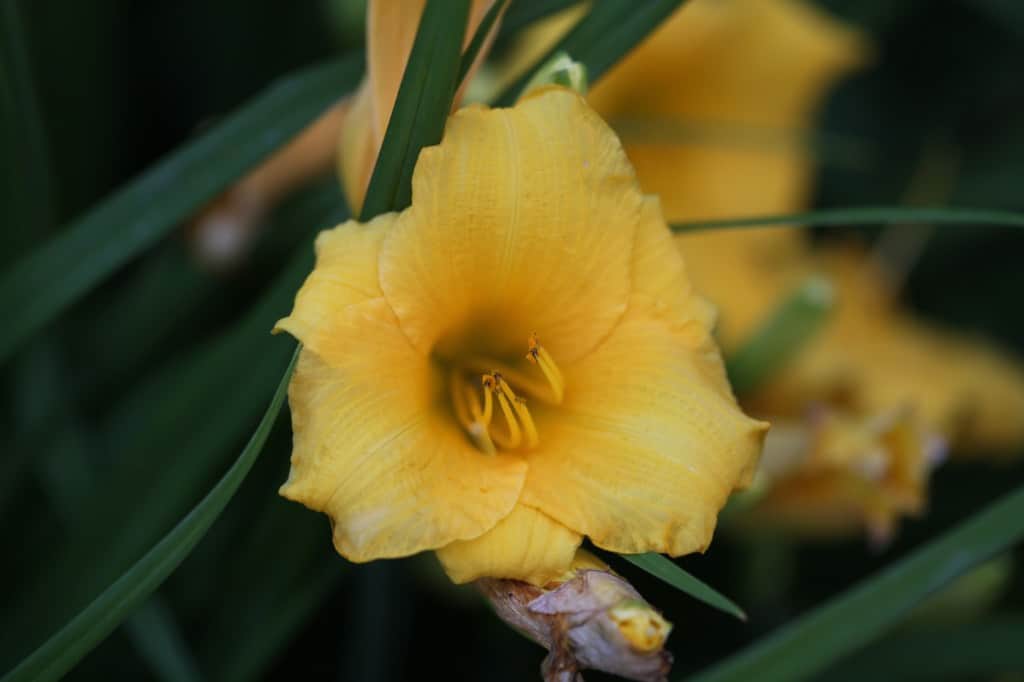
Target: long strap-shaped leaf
pixel 422 105
pixel 863 216
pixel 45 281
pixel 965 651
pixel 479 38
pixel 62 651
pixel 664 569
pixel 609 30
pixel 521 14
pixel 846 623
pixel 781 336
pixel 28 211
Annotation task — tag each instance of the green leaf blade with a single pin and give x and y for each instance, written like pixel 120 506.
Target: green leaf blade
pixel 844 624
pixel 669 572
pixel 28 196
pixel 62 651
pixel 39 286
pixel 601 38
pixel 421 107
pixel 982 649
pixel 863 216
pixel 781 336
pixel 479 38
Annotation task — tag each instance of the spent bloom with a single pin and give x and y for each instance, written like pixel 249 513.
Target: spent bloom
pixel 514 362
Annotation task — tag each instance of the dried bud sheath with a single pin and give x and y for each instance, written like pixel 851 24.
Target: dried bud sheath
pixel 592 619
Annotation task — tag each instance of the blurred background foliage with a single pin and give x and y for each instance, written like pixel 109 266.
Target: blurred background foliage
pixel 118 417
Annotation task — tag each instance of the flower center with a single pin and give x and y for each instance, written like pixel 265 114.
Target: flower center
pixel 478 383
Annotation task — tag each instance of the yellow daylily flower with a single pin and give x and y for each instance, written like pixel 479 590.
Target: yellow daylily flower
pixel 514 362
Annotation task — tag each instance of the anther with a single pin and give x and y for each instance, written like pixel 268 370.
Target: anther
pixel 539 355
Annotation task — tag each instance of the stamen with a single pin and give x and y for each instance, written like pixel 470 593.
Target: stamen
pixel 523 382
pixel 515 435
pixel 539 355
pixel 467 411
pixel 483 416
pixel 488 383
pixel 482 438
pixel 528 426
pixel 497 380
pixel 519 405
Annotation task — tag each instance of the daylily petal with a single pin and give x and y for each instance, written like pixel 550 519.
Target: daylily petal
pixel 345 275
pixel 649 441
pixel 522 220
pixel 392 471
pixel 374 445
pixel 526 545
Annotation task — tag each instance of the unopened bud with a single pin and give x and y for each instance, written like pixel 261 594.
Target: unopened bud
pixel 561 69
pixel 591 619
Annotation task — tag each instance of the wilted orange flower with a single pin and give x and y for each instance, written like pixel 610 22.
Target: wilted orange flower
pixel 514 362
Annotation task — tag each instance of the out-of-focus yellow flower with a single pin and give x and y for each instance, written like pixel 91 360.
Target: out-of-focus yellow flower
pixel 715 111
pixel 513 362
pixel 870 362
pixel 715 108
pixel 874 356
